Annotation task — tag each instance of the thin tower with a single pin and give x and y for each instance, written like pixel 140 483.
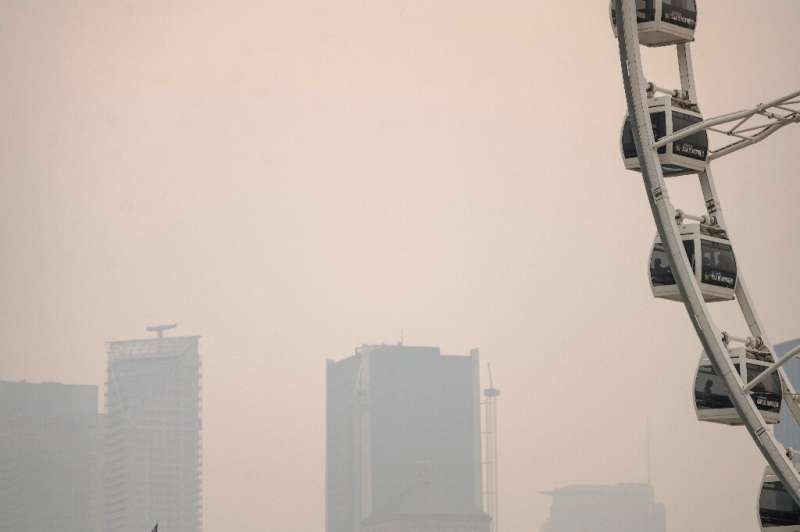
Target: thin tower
pixel 649 457
pixel 490 499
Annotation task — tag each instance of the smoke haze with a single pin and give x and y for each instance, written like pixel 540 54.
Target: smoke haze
pixel 290 180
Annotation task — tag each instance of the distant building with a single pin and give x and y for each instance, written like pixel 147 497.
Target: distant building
pixel 49 472
pixel 403 442
pixel 615 508
pixel 153 436
pixel 787 431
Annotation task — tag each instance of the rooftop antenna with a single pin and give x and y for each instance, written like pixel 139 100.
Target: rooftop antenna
pixel 402 338
pixel 159 329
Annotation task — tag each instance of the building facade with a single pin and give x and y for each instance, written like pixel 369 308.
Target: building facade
pixel 153 445
pixel 787 431
pixel 403 442
pixel 615 508
pixel 49 470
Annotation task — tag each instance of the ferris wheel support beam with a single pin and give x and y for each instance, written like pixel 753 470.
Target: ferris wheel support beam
pixel 747 136
pixel 680 216
pixel 664 216
pixel 772 369
pixel 686 68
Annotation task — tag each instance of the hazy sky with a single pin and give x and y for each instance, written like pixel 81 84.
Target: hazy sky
pixel 292 179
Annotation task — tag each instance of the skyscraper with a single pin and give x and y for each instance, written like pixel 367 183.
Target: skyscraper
pixel 787 431
pixel 616 508
pixel 403 442
pixel 48 458
pixel 153 435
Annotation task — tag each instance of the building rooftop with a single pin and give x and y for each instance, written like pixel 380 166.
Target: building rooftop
pixel 151 347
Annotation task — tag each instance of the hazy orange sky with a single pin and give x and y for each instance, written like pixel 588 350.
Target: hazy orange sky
pixel 292 179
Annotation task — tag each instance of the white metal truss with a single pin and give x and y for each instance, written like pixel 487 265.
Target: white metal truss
pixel 747 131
pixel 747 127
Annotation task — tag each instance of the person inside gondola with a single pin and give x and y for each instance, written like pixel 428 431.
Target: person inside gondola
pixel 708 259
pixel 661 273
pixel 708 394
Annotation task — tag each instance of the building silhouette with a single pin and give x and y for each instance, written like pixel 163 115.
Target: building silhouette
pixel 787 431
pixel 599 508
pixel 153 446
pixel 403 442
pixel 613 508
pixel 49 470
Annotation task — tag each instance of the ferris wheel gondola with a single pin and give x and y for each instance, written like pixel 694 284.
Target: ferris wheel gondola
pixel 663 22
pixel 670 115
pixel 777 510
pixel 712 400
pixel 715 270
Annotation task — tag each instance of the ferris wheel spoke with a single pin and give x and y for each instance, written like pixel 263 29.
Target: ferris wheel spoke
pixel 771 122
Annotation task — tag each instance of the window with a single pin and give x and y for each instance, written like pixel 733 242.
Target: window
pixel 659 120
pixel 645 10
pixel 695 145
pixel 709 390
pixel 688 5
pixel 660 270
pixel 660 266
pixel 659 128
pixel 681 13
pixel 628 144
pixel 776 506
pixel 719 264
pixel 767 395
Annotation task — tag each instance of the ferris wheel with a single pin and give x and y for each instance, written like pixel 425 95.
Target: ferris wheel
pixel 740 380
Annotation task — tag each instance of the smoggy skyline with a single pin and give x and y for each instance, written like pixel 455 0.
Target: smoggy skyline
pixel 290 181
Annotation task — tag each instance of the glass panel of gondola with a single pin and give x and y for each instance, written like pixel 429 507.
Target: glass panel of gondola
pixel 777 507
pixel 719 264
pixel 659 121
pixel 709 389
pixel 695 145
pixel 767 394
pixel 660 269
pixel 682 13
pixel 659 128
pixel 628 144
pixel 645 11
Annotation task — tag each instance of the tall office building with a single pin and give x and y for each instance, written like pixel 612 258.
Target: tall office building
pixel 153 435
pixel 48 458
pixel 617 508
pixel 787 431
pixel 403 442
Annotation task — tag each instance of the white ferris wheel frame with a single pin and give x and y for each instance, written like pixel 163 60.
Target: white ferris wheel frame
pixel 777 114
